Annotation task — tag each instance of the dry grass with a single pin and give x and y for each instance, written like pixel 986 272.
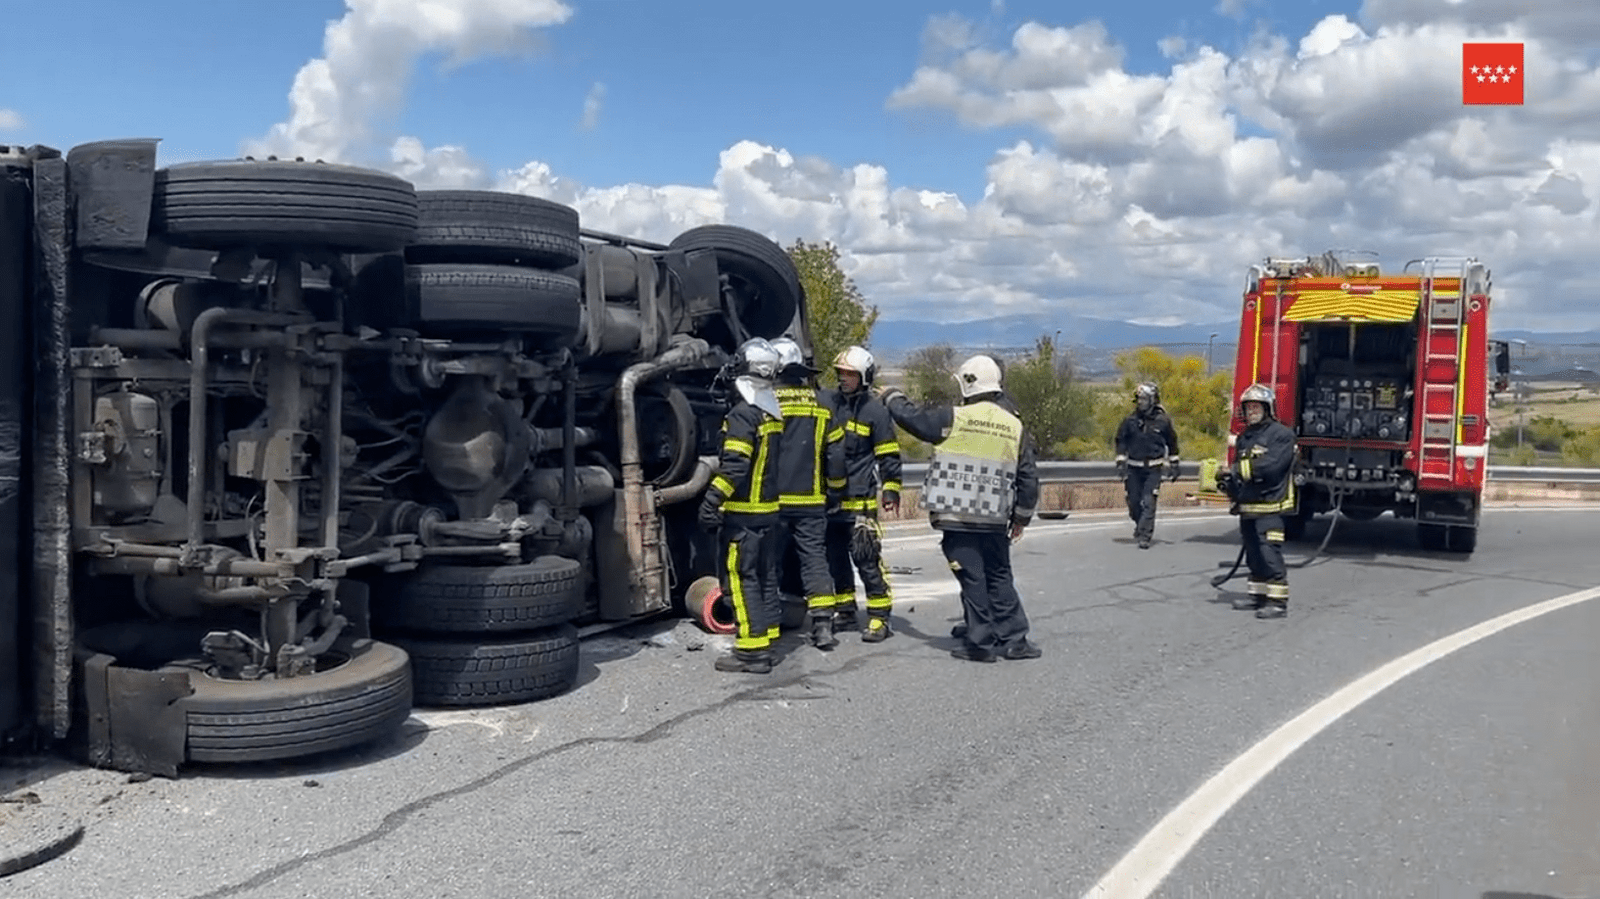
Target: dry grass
pixel 1574 404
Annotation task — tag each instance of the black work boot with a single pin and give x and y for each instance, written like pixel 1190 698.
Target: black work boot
pixel 1248 601
pixel 878 629
pixel 746 661
pixel 844 617
pixel 1273 609
pixel 966 652
pixel 1144 542
pixel 958 631
pixel 822 633
pixel 1022 650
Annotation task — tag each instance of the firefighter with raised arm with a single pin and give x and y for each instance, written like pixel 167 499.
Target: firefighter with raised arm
pixel 1147 448
pixel 810 480
pixel 981 489
pixel 741 506
pixel 872 462
pixel 1261 484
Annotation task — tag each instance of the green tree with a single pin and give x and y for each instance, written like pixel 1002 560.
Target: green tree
pixel 838 312
pixel 1056 407
pixel 930 375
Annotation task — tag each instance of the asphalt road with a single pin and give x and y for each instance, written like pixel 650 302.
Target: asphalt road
pixel 894 770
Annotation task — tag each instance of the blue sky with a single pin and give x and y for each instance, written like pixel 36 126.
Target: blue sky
pixel 779 117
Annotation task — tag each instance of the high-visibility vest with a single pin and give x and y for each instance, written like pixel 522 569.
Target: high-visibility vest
pixel 972 476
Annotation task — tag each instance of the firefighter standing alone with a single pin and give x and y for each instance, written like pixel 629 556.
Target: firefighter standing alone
pixel 872 458
pixel 740 507
pixel 810 479
pixel 1260 483
pixel 1147 448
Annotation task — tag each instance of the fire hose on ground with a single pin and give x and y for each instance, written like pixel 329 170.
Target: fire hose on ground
pixel 1333 523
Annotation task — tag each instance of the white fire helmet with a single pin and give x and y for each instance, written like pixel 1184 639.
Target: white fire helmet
pixel 858 360
pixel 977 376
pixel 1256 393
pixel 755 364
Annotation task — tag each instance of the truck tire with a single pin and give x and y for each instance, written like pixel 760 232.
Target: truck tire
pixel 493 226
pixel 364 698
pixel 278 203
pixel 759 269
pixel 524 668
pixel 1433 537
pixel 493 298
pixel 471 599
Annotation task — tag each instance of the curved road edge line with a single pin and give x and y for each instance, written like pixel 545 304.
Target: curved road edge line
pixel 1155 856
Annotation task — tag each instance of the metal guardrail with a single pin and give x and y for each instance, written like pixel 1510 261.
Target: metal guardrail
pixel 912 473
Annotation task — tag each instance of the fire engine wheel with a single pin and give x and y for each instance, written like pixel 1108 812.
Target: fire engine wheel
pixel 364 695
pixel 494 297
pixel 469 599
pixel 761 273
pixel 491 226
pixel 1433 537
pixel 524 668
pixel 279 203
pixel 1461 538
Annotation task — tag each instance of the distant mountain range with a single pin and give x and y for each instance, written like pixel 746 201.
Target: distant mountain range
pixel 892 339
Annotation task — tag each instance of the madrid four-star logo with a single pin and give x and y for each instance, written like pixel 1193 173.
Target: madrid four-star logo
pixel 1491 74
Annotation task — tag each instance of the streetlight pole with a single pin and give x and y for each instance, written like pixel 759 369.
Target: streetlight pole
pixel 1208 352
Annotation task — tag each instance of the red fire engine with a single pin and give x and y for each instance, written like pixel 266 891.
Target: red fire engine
pixel 1384 378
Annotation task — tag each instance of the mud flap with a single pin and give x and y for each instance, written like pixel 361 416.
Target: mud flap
pixel 132 720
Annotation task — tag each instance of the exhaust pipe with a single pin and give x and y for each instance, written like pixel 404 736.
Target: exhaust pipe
pixel 641 522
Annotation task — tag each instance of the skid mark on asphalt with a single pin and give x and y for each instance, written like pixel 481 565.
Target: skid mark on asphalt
pixel 1155 856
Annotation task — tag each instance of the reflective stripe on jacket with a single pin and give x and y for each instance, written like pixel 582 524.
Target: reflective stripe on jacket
pixel 813 454
pixel 1265 463
pixel 871 448
pixel 746 482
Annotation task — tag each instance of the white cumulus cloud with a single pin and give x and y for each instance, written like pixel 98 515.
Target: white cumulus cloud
pixel 341 100
pixel 10 120
pixel 1130 194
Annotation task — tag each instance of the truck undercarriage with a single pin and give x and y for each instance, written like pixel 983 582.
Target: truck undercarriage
pixel 310 445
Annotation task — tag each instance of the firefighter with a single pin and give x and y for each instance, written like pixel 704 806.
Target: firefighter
pixel 1147 447
pixel 872 461
pixel 741 506
pixel 810 480
pixel 1261 485
pixel 980 490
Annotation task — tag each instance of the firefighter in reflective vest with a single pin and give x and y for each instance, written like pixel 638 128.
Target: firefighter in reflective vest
pixel 810 480
pixel 980 490
pixel 872 462
pixel 1261 484
pixel 1147 448
pixel 741 506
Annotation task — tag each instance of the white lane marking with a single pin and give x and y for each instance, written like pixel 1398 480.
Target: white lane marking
pixel 1149 862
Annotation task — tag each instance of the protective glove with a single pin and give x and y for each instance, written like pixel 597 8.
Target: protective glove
pixel 1172 469
pixel 710 517
pixel 1122 469
pixel 866 545
pixel 890 502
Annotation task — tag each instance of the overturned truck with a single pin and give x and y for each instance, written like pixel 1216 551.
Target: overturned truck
pixel 290 446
